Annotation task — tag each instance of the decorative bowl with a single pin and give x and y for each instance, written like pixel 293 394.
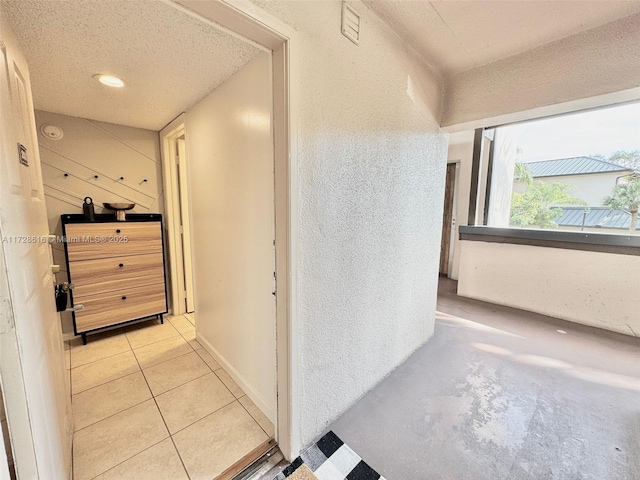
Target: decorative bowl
pixel 119 206
pixel 119 209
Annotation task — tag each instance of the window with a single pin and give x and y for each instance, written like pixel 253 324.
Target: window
pixel 576 172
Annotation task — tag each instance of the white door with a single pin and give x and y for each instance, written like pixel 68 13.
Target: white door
pixel 32 367
pixel 185 225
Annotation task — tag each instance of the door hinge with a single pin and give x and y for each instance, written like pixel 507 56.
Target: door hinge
pixel 6 316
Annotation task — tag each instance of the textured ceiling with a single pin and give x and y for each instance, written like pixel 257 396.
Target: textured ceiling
pixel 168 59
pixel 455 36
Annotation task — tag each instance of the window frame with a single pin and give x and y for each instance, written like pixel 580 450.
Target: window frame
pixel 624 244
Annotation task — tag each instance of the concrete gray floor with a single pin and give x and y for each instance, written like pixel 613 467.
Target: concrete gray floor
pixel 498 393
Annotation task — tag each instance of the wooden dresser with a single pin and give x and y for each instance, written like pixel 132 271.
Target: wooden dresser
pixel 117 269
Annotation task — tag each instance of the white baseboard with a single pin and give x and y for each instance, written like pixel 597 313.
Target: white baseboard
pixel 239 379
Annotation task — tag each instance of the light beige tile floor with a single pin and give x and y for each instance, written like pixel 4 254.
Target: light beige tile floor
pixel 211 445
pixel 150 403
pixel 98 403
pixel 115 439
pixel 192 401
pixel 160 352
pixel 103 345
pixel 102 371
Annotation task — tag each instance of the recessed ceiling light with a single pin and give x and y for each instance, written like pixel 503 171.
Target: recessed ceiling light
pixel 109 80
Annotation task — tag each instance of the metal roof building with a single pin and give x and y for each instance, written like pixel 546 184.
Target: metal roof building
pixel 573 166
pixel 597 217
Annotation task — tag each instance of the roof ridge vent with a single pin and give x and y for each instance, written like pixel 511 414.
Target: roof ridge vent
pixel 350 23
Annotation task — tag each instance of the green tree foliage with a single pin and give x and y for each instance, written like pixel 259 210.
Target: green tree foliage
pixel 540 204
pixel 522 173
pixel 626 196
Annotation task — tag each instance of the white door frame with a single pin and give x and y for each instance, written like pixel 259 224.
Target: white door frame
pixel 185 214
pixel 175 199
pixel 247 21
pixel 454 222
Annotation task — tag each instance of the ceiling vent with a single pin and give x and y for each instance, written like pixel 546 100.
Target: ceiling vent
pixel 350 23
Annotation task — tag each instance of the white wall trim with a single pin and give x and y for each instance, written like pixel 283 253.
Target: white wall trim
pixel 250 22
pixel 168 138
pixel 246 387
pixel 573 106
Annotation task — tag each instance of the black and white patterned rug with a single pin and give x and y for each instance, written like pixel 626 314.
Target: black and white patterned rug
pixel 331 459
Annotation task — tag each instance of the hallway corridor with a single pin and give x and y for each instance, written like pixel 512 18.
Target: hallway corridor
pixel 499 393
pixel 150 403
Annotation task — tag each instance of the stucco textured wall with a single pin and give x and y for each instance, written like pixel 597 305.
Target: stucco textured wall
pixel 371 180
pixel 599 61
pixel 590 288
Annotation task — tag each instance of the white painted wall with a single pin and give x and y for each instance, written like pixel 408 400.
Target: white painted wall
pixel 602 60
pixel 230 164
pixel 592 188
pixel 91 148
pixel 371 184
pixel 590 288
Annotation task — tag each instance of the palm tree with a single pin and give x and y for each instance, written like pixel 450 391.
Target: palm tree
pixel 626 196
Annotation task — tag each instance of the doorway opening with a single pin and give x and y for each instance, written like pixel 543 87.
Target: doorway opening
pixel 275 40
pixel 178 223
pixel 448 221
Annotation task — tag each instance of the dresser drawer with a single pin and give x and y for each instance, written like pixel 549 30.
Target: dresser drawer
pixel 105 309
pixel 92 277
pixel 88 241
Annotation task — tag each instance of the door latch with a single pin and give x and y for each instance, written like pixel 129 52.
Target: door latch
pixel 61 294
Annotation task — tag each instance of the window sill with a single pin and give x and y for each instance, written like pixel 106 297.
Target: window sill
pixel 595 242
